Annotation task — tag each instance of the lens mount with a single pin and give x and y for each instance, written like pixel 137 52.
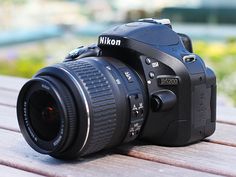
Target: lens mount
pixel 43 114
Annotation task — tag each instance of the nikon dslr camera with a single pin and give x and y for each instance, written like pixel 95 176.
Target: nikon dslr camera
pixel 141 81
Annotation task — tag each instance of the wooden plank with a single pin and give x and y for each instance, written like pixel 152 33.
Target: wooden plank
pixel 8 118
pixel 11 83
pixel 8 98
pixel 203 156
pixel 226 115
pixel 16 153
pixel 225 134
pixel 8 171
pixel 9 89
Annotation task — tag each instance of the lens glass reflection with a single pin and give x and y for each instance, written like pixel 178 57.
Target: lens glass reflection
pixel 44 115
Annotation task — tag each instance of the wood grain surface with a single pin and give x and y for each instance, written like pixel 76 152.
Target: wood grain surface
pixel 203 156
pixel 8 98
pixel 214 156
pixel 11 83
pixel 8 118
pixel 18 154
pixel 9 171
pixel 225 134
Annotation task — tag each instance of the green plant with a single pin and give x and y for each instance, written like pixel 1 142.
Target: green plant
pixel 22 67
pixel 221 56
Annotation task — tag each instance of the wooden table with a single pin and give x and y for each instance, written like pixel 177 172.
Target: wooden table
pixel 211 157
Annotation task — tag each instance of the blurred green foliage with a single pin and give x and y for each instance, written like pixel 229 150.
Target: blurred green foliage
pixel 24 66
pixel 220 56
pixel 12 1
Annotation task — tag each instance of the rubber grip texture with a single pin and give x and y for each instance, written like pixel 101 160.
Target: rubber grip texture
pixel 102 105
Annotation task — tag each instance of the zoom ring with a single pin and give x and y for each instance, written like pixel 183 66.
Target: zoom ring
pixel 103 117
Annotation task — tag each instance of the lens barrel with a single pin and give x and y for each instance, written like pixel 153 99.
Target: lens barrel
pixel 79 107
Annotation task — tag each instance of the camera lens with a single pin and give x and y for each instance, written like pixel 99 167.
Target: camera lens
pixel 46 114
pixel 45 118
pixel 79 107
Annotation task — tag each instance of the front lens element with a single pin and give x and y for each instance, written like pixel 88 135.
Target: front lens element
pixel 44 115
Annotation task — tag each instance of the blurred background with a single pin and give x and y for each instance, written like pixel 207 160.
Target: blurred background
pixel 35 33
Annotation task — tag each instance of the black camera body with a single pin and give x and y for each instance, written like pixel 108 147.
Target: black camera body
pixel 140 81
pixel 182 91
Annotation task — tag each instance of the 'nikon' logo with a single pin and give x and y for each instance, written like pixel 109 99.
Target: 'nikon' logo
pixel 109 41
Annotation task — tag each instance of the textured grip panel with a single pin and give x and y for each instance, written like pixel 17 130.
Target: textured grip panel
pixel 103 119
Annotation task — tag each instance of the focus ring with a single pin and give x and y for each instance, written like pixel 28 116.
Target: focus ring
pixel 103 119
